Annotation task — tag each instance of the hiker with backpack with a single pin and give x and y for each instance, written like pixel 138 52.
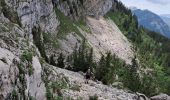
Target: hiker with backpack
pixel 88 76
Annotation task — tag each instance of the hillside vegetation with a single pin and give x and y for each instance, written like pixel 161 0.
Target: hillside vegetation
pixel 152 50
pixel 49 45
pixel 149 72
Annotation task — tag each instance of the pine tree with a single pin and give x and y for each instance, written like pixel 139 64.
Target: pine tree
pixel 100 68
pixel 104 70
pixel 108 70
pixel 148 86
pixel 132 78
pixel 80 58
pixel 90 59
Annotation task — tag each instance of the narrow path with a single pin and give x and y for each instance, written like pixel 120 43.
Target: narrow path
pixel 93 88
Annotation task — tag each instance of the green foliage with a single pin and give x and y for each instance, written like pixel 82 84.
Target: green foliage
pixel 47 37
pixel 14 95
pixel 148 83
pixel 37 37
pixel 75 88
pixel 110 66
pixel 104 70
pixel 152 50
pixel 132 79
pixel 95 97
pixel 27 55
pixel 31 98
pixel 107 67
pixel 10 13
pixel 82 24
pixel 50 39
pixel 82 58
pixel 49 94
pixel 58 98
pixel 59 85
pixel 21 68
pixel 66 25
pixel 22 73
pixel 30 70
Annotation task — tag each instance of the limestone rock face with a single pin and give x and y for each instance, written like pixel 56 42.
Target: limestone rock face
pixel 35 85
pixel 14 77
pixel 33 12
pixel 78 8
pixel 8 72
pixel 98 7
pixel 24 73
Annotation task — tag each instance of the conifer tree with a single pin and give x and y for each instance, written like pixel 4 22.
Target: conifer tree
pixel 90 59
pixel 108 70
pixel 100 68
pixel 132 80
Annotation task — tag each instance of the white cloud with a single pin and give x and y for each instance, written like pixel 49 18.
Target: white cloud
pixel 156 6
pixel 160 1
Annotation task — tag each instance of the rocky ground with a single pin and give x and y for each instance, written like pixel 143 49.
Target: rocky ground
pixel 105 36
pixel 92 88
pixel 24 73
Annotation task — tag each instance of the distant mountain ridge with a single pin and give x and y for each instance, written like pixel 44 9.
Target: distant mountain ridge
pixel 165 15
pixel 152 21
pixel 166 19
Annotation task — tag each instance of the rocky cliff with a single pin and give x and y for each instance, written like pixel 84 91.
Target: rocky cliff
pixel 77 8
pixel 31 31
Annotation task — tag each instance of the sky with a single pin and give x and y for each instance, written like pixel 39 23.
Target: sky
pixel 156 6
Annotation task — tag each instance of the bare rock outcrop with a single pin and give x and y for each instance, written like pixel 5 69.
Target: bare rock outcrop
pixel 78 89
pixel 79 8
pixel 161 97
pixel 105 36
pixel 32 12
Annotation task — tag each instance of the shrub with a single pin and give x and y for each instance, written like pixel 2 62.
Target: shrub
pixel 14 95
pixel 95 97
pixel 75 88
pixel 58 98
pixel 27 56
pixel 49 95
pixel 30 70
pixel 131 78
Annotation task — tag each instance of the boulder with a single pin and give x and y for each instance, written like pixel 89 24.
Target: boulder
pixel 161 97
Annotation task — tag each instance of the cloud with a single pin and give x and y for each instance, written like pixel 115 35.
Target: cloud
pixel 156 6
pixel 162 2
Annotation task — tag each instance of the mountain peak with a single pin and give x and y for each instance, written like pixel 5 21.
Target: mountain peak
pixel 152 21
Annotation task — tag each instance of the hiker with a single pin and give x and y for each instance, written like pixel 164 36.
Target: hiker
pixel 88 76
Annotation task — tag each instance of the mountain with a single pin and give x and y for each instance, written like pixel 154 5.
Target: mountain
pixel 152 22
pixel 166 19
pixel 36 38
pixel 48 46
